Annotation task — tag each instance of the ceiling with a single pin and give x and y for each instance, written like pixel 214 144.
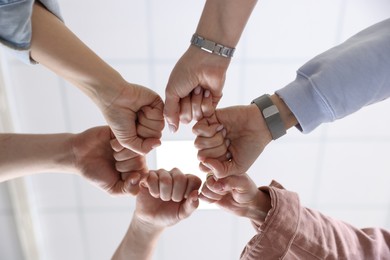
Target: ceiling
pixel 341 168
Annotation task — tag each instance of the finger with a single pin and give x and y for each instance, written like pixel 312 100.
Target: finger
pixel 189 206
pixel 207 104
pixel 153 113
pixel 152 183
pixel 202 143
pixel 215 152
pixel 143 146
pixel 179 185
pixel 131 180
pixel 196 102
pixel 132 141
pixel 241 187
pixel 115 145
pixel 204 198
pixel 193 183
pixel 204 168
pixel 135 164
pixel 146 132
pixel 153 128
pixel 209 194
pixel 204 129
pixel 165 184
pixel 172 110
pixel 185 110
pixel 125 154
pixel 222 169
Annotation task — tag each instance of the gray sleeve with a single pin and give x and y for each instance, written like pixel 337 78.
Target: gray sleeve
pixel 15 25
pixel 342 80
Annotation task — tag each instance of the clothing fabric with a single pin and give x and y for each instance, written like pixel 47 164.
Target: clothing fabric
pixel 341 80
pixel 15 25
pixel 291 231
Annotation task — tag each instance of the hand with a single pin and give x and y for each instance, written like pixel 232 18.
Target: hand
pixel 167 197
pixel 237 194
pixel 195 68
pixel 230 141
pixel 136 118
pixel 94 160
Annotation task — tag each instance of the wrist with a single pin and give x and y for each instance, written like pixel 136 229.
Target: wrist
pixel 210 46
pixel 208 60
pixel 286 115
pixel 145 228
pixel 103 91
pixel 139 241
pixel 258 212
pixel 259 125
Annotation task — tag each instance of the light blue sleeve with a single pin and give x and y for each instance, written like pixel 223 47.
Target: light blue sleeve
pixel 15 25
pixel 341 80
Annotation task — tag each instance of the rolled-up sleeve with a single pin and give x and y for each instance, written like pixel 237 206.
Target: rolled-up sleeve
pixel 294 232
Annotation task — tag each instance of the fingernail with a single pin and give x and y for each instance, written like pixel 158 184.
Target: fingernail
pixel 172 128
pixel 218 186
pixel 227 142
pixel 228 155
pixel 135 180
pixel 207 93
pixel 194 199
pixel 224 132
pixel 219 128
pixel 197 90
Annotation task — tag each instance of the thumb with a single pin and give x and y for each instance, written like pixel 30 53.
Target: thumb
pixel 222 169
pixel 189 205
pixel 171 111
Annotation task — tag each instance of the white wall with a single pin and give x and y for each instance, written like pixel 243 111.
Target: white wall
pixel 341 168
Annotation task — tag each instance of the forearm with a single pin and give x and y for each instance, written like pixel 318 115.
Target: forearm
pixel 26 154
pixel 139 241
pixel 223 21
pixel 57 48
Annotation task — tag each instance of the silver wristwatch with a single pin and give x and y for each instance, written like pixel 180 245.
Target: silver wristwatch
pixel 271 115
pixel 212 47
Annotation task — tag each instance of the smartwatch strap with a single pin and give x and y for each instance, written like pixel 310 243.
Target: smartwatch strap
pixel 271 115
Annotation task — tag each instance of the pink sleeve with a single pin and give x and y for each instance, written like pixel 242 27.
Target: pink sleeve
pixel 291 231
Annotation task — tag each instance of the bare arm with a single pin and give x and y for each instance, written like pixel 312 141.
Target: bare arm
pixel 57 48
pixel 25 154
pixel 165 199
pixel 223 22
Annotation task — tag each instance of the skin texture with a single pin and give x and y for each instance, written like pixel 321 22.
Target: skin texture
pixel 88 154
pixel 222 21
pixel 231 140
pixel 239 195
pixel 165 199
pixel 134 112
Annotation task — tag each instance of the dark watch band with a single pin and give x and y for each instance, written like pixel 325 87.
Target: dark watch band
pixel 212 47
pixel 271 115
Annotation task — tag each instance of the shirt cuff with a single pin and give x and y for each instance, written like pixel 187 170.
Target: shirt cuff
pixel 274 237
pixel 306 103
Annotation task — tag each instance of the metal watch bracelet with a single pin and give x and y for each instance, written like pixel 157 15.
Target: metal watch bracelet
pixel 271 115
pixel 212 47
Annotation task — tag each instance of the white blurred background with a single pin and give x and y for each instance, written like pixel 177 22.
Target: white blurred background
pixel 341 169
